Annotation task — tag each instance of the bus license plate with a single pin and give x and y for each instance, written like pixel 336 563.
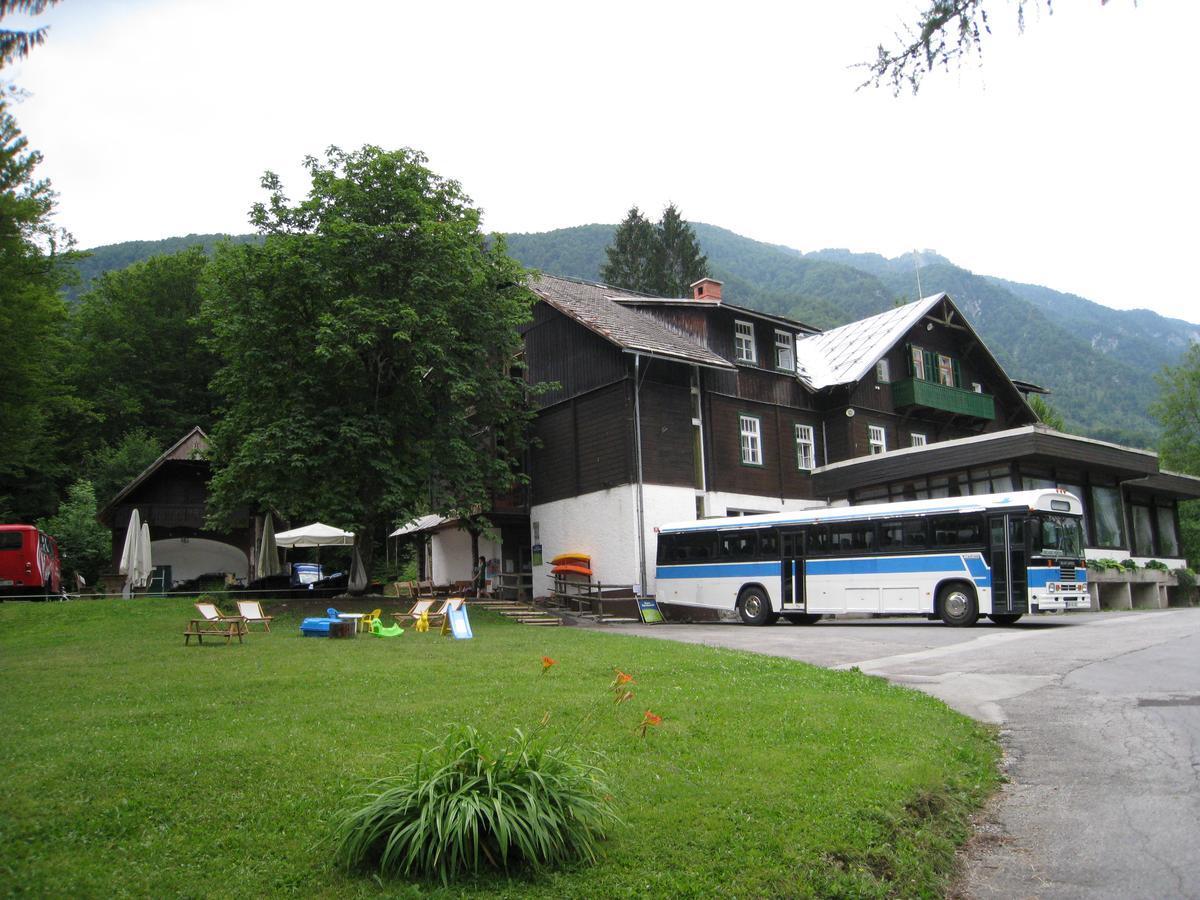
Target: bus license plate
pixel 5 582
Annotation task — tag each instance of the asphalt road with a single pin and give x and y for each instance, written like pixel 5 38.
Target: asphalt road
pixel 1099 715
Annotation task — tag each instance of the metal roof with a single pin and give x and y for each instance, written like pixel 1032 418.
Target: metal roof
pixel 598 308
pixel 844 355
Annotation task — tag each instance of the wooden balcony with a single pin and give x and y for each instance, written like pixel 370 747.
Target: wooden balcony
pixel 929 394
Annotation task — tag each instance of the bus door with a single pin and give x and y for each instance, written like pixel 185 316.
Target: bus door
pixel 792 565
pixel 1007 558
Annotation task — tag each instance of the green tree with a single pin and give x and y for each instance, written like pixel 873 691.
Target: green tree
pixel 946 31
pixel 15 45
pixel 35 403
pixel 140 358
pixel 85 544
pixel 113 466
pixel 368 349
pixel 662 259
pixel 679 262
pixel 1178 408
pixel 1046 413
pixel 630 258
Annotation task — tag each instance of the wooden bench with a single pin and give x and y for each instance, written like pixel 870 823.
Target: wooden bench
pixel 202 628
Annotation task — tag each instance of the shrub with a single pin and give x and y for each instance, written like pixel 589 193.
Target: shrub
pixel 1104 563
pixel 1187 578
pixel 467 805
pixel 1128 564
pixel 1157 564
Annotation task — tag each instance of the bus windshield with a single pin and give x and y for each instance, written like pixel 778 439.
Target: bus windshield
pixel 1059 536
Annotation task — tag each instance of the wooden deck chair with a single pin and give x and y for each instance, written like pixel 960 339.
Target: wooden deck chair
pixel 440 613
pixel 421 606
pixel 213 624
pixel 211 614
pixel 251 611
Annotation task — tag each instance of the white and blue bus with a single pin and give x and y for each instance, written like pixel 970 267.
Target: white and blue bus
pixel 953 558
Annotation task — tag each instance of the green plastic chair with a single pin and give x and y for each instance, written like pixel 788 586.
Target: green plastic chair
pixel 380 630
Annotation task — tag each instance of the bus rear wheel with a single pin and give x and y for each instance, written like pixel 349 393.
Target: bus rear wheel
pixel 1004 618
pixel 754 607
pixel 802 618
pixel 958 606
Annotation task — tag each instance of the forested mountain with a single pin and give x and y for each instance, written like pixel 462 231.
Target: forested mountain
pixel 1098 362
pixel 117 256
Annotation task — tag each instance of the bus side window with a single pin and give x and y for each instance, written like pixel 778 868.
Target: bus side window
pixel 891 535
pixel 768 544
pixel 914 534
pixel 818 540
pixel 737 545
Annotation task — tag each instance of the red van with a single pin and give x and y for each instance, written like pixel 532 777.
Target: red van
pixel 29 563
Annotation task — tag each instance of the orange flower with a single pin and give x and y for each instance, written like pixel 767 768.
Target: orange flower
pixel 621 698
pixel 547 662
pixel 621 679
pixel 647 720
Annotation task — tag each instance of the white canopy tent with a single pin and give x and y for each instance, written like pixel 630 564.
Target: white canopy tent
pixel 315 535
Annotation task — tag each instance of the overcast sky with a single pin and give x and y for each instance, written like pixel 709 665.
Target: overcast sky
pixel 1069 158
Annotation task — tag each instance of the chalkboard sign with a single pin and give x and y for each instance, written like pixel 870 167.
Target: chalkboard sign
pixel 649 611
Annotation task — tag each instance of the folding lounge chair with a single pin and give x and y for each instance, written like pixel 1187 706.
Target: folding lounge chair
pixel 421 606
pixel 436 617
pixel 213 624
pixel 251 611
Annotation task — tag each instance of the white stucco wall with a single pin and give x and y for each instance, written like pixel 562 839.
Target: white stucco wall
pixel 198 556
pixel 603 524
pixel 452 558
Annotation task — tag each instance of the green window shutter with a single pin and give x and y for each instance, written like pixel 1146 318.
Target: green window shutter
pixel 957 373
pixel 908 357
pixel 931 366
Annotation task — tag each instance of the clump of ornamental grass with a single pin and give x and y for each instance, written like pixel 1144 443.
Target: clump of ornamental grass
pixel 469 805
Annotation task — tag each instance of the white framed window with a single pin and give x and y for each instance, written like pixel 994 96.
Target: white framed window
pixel 918 439
pixel 945 370
pixel 785 356
pixel 883 372
pixel 876 439
pixel 743 341
pixel 918 363
pixel 806 448
pixel 751 430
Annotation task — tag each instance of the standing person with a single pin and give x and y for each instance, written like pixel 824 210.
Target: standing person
pixel 479 576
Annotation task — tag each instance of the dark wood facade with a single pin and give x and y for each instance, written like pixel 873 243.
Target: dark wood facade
pixel 586 429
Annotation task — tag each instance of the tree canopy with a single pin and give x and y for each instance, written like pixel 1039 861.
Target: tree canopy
pixel 35 403
pixel 946 32
pixel 15 44
pixel 136 331
pixel 662 259
pixel 367 349
pixel 1178 408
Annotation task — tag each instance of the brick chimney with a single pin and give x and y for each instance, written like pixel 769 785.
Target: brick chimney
pixel 706 289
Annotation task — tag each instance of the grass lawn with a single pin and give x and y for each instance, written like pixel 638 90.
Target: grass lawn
pixel 137 766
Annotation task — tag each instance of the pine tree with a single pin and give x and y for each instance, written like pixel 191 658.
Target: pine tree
pixel 662 259
pixel 680 262
pixel 631 255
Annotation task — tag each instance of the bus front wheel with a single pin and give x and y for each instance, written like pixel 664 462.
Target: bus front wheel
pixel 958 606
pixel 754 607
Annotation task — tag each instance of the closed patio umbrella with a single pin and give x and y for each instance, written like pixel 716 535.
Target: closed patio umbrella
pixel 135 555
pixel 358 573
pixel 268 551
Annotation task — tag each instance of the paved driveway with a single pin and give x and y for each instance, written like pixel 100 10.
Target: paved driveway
pixel 1099 717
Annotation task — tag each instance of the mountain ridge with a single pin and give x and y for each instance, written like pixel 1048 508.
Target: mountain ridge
pixel 1098 362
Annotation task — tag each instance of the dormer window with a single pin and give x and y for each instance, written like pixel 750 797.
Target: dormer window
pixel 743 341
pixel 785 355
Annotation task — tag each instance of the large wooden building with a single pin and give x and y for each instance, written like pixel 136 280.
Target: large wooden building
pixel 667 409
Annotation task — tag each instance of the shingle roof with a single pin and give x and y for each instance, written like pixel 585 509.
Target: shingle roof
pixel 593 306
pixel 844 355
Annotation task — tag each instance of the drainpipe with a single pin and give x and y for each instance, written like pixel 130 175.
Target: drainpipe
pixel 640 531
